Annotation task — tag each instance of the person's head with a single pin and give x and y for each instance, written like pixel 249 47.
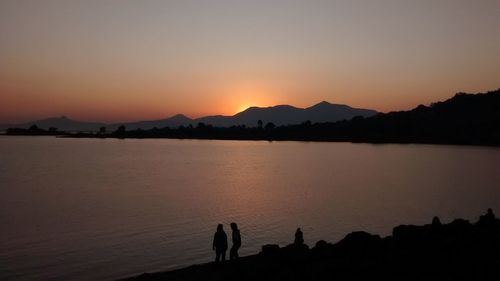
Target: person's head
pixel 436 221
pixel 234 226
pixel 490 211
pixel 219 227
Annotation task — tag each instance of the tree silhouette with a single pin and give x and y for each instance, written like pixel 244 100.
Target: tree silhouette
pixel 121 130
pixel 270 126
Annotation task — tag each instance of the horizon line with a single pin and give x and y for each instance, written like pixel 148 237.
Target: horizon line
pixel 64 115
pixel 67 116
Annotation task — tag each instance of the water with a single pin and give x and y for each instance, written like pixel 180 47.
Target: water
pixel 89 209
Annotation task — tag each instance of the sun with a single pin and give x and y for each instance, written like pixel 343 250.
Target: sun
pixel 242 97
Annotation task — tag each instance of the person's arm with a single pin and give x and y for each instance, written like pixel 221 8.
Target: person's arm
pixel 213 244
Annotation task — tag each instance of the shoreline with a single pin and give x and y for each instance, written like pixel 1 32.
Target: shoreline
pixel 95 136
pixel 459 250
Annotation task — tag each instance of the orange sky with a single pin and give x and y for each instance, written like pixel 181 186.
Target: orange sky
pixel 134 60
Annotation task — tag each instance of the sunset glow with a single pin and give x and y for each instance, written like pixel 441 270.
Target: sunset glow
pixel 124 60
pixel 247 140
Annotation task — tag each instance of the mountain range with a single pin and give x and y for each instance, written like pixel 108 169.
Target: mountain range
pixel 62 123
pixel 278 115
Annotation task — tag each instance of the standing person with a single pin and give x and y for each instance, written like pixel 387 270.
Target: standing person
pixel 233 253
pixel 220 244
pixel 299 237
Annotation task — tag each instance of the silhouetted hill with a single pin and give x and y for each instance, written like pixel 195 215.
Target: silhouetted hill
pixel 462 119
pixel 458 250
pixel 327 112
pixel 279 115
pixel 220 120
pixel 62 123
pixel 172 122
pixel 287 115
pixel 468 119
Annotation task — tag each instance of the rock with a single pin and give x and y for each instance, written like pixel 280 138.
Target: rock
pixel 270 250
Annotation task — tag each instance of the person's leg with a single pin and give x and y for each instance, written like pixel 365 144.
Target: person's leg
pixel 223 255
pixel 236 255
pixel 217 255
pixel 232 253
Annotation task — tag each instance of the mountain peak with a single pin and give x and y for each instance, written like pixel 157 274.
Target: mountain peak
pixel 326 105
pixel 251 108
pixel 322 103
pixel 180 116
pixel 281 114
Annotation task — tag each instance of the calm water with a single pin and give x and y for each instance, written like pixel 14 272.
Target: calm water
pixel 104 209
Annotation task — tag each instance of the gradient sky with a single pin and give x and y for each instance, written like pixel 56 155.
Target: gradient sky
pixel 128 60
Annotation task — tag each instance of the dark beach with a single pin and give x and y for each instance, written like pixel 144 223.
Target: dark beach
pixel 459 250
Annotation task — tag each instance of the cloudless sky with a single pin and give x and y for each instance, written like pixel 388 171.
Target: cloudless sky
pixel 127 60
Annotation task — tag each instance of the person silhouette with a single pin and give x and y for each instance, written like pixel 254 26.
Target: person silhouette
pixel 299 237
pixel 233 253
pixel 220 244
pixel 487 219
pixel 489 215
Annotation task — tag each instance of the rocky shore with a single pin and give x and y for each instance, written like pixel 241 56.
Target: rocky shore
pixel 459 250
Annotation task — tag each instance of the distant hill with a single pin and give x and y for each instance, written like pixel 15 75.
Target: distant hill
pixel 279 115
pixel 468 119
pixel 462 119
pixel 288 115
pixel 62 123
pixel 172 122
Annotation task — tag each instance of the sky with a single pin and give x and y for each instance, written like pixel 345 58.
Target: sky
pixel 124 60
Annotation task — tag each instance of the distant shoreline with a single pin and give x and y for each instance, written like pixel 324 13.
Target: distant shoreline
pixel 93 136
pixel 459 250
pixel 465 119
pixel 296 139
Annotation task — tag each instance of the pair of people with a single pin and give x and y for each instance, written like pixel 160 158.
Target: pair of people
pixel 220 243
